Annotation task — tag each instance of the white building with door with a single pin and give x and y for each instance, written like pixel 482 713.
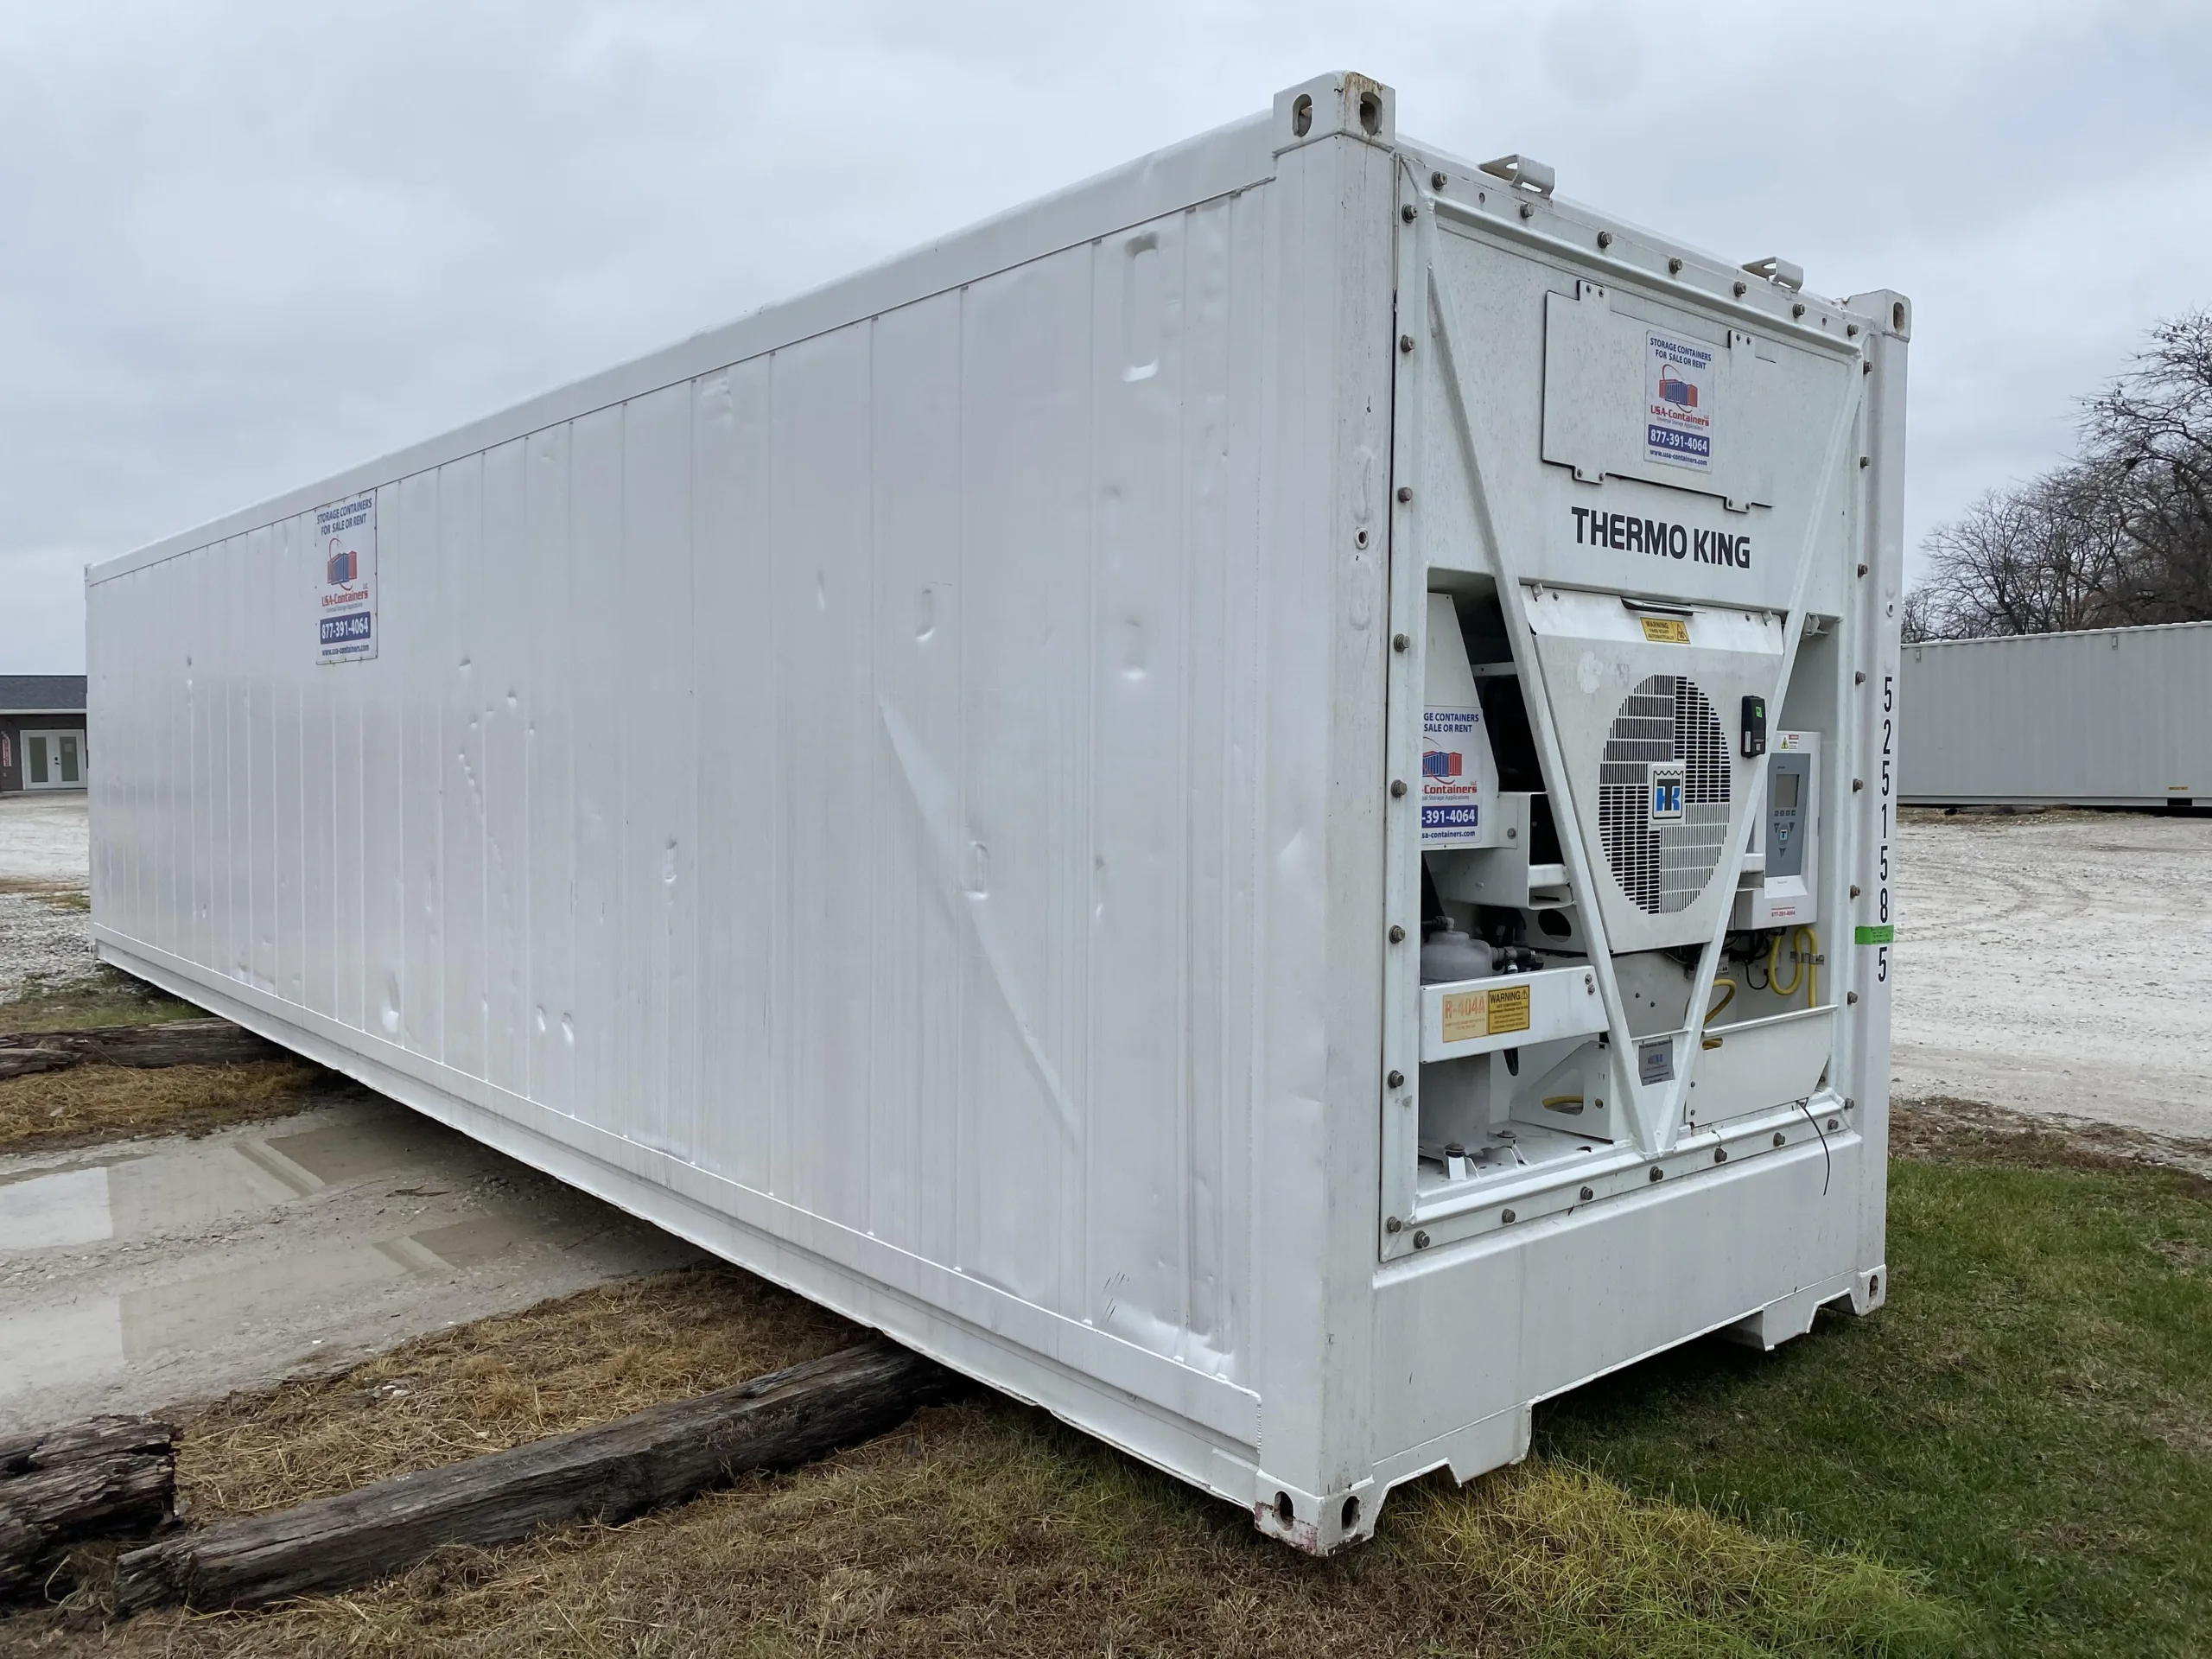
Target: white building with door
pixel 42 731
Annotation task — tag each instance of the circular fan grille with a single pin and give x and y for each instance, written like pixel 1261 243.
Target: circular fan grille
pixel 1663 865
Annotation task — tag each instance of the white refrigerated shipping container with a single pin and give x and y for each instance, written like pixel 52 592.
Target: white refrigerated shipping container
pixel 2102 717
pixel 1250 803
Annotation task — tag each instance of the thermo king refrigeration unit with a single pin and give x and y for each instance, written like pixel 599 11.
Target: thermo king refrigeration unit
pixel 1252 803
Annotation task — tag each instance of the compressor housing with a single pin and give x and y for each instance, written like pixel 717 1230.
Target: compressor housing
pixel 938 792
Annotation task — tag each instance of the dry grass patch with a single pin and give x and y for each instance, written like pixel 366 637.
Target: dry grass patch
pixel 989 1528
pixel 105 996
pixel 40 886
pixel 567 1364
pixel 1944 1129
pixel 984 1527
pixel 85 1104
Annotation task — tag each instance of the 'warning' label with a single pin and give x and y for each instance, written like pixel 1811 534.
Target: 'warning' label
pixel 1666 630
pixel 1469 1015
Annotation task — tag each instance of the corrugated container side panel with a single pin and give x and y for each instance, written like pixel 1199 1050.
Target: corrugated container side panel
pixel 1230 1081
pixel 348 854
pixel 233 908
pixel 1026 423
pixel 179 590
pixel 599 710
pixel 421 651
pixel 265 788
pixel 130 865
pixel 1138 1037
pixel 183 587
pixel 509 569
pixel 104 689
pixel 842 771
pixel 135 869
pixel 167 679
pixel 459 762
pixel 107 686
pixel 287 744
pixel 738 874
pixel 915 988
pixel 236 626
pixel 548 715
pixel 319 790
pixel 384 797
pixel 237 835
pixel 2108 715
pixel 819 634
pixel 660 742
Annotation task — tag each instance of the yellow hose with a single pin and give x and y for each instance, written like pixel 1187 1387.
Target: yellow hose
pixel 1719 984
pixel 1804 946
pixel 1773 965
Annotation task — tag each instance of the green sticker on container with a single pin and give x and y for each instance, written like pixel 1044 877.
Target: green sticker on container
pixel 1877 934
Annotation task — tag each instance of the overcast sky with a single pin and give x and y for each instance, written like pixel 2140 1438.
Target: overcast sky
pixel 246 246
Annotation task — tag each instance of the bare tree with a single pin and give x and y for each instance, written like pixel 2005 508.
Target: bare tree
pixel 2154 426
pixel 2039 559
pixel 2122 536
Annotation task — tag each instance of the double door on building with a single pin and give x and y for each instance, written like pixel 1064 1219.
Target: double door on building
pixel 54 759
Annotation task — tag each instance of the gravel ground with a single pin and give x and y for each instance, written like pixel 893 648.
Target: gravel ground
pixel 44 838
pixel 42 843
pixel 2058 963
pixel 41 939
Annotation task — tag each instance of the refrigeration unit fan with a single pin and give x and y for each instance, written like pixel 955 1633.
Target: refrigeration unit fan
pixel 1663 794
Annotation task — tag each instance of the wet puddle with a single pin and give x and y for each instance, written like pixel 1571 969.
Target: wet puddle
pixel 140 1194
pixel 250 1252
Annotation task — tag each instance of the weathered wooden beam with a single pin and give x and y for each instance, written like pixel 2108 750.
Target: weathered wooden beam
pixel 23 1062
pixel 110 1474
pixel 622 1469
pixel 174 1042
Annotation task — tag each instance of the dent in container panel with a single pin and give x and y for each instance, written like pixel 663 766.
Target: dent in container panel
pixel 510 565
pixel 549 722
pixel 917 614
pixel 660 826
pixel 458 767
pixel 739 871
pixel 1026 352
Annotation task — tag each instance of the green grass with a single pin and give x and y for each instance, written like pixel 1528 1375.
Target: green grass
pixel 2028 1423
pixel 103 997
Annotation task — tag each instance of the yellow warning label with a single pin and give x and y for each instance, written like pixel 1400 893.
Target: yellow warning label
pixel 1508 1009
pixel 1469 1015
pixel 1665 630
pixel 1466 1014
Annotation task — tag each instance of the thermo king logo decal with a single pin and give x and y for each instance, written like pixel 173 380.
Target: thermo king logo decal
pixel 1678 383
pixel 1629 532
pixel 1667 778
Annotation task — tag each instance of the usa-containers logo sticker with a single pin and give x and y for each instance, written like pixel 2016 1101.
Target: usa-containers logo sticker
pixel 1678 393
pixel 346 600
pixel 1451 797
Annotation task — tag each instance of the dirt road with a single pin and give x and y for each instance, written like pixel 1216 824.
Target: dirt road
pixel 2058 963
